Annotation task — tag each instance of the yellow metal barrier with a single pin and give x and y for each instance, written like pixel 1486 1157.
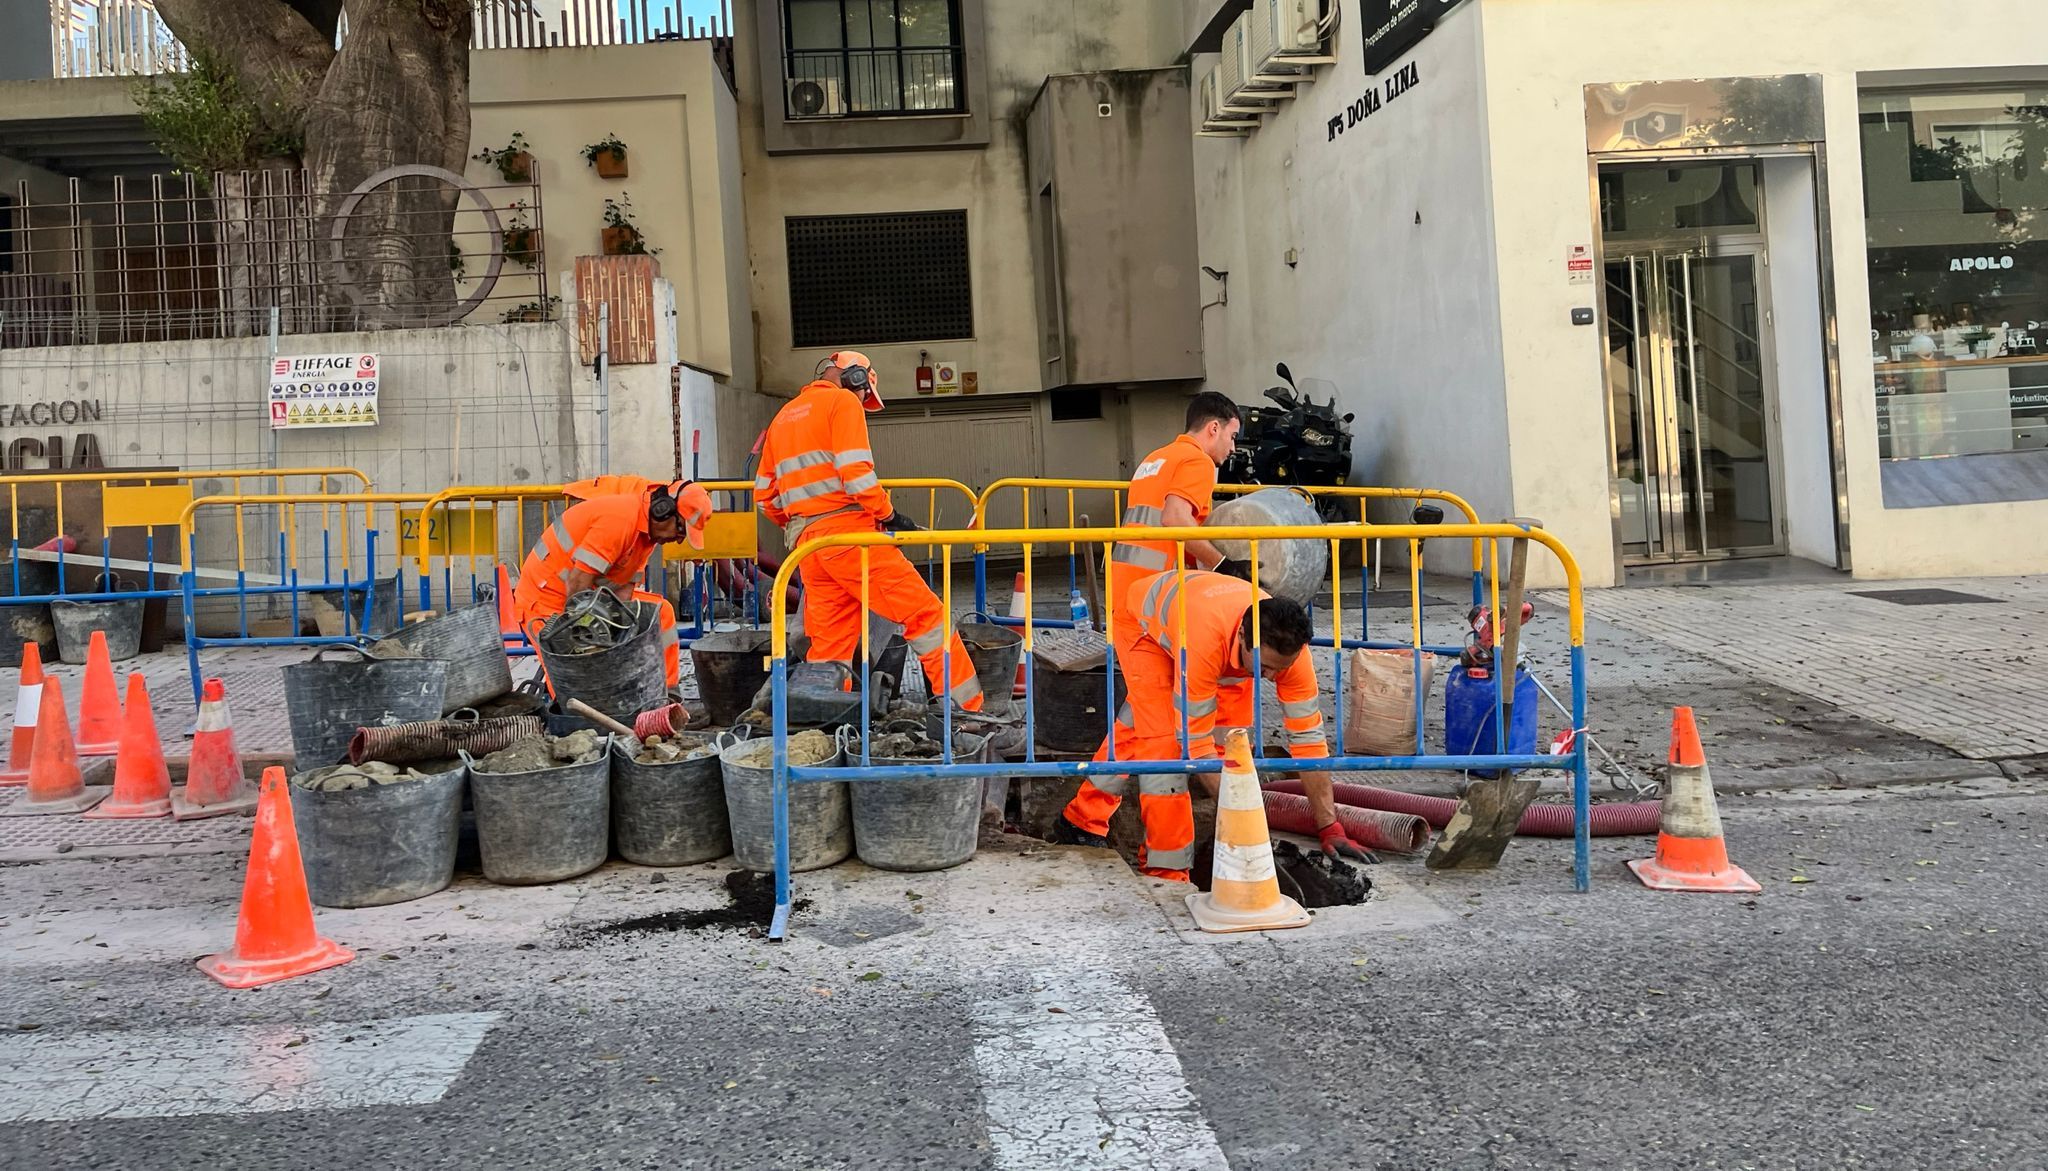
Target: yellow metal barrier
pixel 1489 536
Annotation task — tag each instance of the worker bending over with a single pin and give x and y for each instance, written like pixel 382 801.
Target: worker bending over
pixel 605 540
pixel 1220 694
pixel 1174 487
pixel 816 478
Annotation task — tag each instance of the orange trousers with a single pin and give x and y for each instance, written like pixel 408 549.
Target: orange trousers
pixel 1148 727
pixel 671 650
pixel 834 619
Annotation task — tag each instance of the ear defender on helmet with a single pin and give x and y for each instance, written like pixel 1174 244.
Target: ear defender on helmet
pixel 661 504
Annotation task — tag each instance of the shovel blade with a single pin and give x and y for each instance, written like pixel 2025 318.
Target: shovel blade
pixel 1487 817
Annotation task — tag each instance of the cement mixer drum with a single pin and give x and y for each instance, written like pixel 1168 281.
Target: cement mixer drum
pixel 1287 569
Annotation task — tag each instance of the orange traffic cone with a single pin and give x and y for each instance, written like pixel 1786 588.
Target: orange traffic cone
pixel 1691 853
pixel 54 783
pixel 28 700
pixel 99 702
pixel 274 935
pixel 508 620
pixel 142 782
pixel 214 781
pixel 1020 606
pixel 1244 891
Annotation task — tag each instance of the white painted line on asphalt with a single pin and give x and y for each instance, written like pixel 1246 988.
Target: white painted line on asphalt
pixel 235 1069
pixel 1095 1084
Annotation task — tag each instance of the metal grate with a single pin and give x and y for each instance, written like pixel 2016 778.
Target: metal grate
pixel 868 279
pixel 1922 597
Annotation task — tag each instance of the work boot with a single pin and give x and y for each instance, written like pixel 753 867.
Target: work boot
pixel 1066 833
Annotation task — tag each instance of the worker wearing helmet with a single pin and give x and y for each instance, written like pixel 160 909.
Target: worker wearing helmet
pixel 816 478
pixel 605 541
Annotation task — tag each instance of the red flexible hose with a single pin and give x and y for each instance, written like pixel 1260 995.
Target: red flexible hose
pixel 1613 820
pixel 1375 829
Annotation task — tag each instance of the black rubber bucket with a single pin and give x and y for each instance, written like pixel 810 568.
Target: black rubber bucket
pixel 820 814
pixel 328 700
pixel 729 671
pixel 622 680
pixel 931 824
pixel 1068 711
pixel 468 641
pixel 29 622
pixel 670 814
pixel 545 825
pixel 382 844
pixel 120 621
pixel 994 650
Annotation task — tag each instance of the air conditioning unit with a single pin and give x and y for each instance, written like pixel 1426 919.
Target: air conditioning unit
pixel 1217 120
pixel 1287 35
pixel 1243 91
pixel 815 97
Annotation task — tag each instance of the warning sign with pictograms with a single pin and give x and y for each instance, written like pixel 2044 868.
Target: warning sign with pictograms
pixel 323 390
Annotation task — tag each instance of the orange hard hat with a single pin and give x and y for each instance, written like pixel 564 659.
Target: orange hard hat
pixel 686 503
pixel 856 374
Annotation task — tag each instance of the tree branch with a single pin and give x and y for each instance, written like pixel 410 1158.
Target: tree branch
pixel 323 15
pixel 276 51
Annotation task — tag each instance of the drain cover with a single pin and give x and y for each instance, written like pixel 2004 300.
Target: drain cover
pixel 1923 597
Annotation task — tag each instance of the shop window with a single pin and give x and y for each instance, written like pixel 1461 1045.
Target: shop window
pixel 866 58
pixel 1955 193
pixel 868 279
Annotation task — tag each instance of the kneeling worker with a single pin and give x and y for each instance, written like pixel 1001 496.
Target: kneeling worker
pixel 605 540
pixel 817 477
pixel 1220 695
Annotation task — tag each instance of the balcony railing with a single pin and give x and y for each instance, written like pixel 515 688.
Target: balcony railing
pixel 126 38
pixel 848 83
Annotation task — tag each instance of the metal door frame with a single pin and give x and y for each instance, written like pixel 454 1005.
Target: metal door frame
pixel 1653 249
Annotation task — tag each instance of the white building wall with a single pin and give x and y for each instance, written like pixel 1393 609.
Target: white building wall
pixel 1391 292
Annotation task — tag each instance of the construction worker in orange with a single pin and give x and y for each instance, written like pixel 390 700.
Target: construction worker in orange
pixel 817 477
pixel 1174 487
pixel 1221 685
pixel 605 540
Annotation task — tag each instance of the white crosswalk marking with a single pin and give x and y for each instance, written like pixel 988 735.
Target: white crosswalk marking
pixel 1096 1084
pixel 239 1069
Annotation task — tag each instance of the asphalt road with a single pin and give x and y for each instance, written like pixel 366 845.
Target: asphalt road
pixel 1886 1012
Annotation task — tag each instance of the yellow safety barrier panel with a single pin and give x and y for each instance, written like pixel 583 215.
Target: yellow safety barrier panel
pixel 1024 540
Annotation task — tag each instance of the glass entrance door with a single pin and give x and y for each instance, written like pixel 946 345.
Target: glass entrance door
pixel 1689 410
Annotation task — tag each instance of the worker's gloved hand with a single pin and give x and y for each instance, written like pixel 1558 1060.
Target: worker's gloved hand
pixel 1235 568
pixel 1338 844
pixel 899 523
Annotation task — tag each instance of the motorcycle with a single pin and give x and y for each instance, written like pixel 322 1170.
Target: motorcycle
pixel 1297 441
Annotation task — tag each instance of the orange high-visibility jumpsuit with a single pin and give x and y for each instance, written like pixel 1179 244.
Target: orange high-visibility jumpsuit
pixel 1182 469
pixel 605 535
pixel 609 484
pixel 1220 697
pixel 817 477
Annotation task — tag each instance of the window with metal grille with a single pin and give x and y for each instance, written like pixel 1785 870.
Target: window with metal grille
pixel 866 279
pixel 849 58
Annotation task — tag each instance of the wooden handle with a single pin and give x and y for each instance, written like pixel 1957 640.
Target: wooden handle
pixel 578 707
pixel 1511 620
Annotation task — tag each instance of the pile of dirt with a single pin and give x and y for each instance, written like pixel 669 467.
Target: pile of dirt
pixel 1314 879
pixel 905 746
pixel 669 749
pixel 804 748
pixel 357 776
pixel 539 752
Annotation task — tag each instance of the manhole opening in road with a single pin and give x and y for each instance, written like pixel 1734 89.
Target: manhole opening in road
pixel 1923 597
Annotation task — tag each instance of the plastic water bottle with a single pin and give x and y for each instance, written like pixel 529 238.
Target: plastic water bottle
pixel 1079 606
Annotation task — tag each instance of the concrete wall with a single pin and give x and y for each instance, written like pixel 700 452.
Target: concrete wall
pixel 25 40
pixel 673 110
pixel 1538 58
pixel 1388 293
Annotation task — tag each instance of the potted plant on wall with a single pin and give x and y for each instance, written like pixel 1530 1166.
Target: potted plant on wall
pixel 541 310
pixel 512 160
pixel 621 236
pixel 519 238
pixel 608 155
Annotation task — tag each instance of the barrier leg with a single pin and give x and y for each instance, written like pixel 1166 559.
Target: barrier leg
pixel 185 580
pixel 1582 794
pixel 778 680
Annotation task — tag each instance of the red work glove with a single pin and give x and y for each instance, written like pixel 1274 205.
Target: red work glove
pixel 1338 844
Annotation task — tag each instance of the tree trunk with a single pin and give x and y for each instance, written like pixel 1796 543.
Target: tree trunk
pixel 397 92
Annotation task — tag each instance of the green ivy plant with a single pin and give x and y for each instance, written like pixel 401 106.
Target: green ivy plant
pixel 506 159
pixel 204 121
pixel 609 144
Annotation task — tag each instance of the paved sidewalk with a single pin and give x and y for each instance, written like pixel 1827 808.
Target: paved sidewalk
pixel 1963 666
